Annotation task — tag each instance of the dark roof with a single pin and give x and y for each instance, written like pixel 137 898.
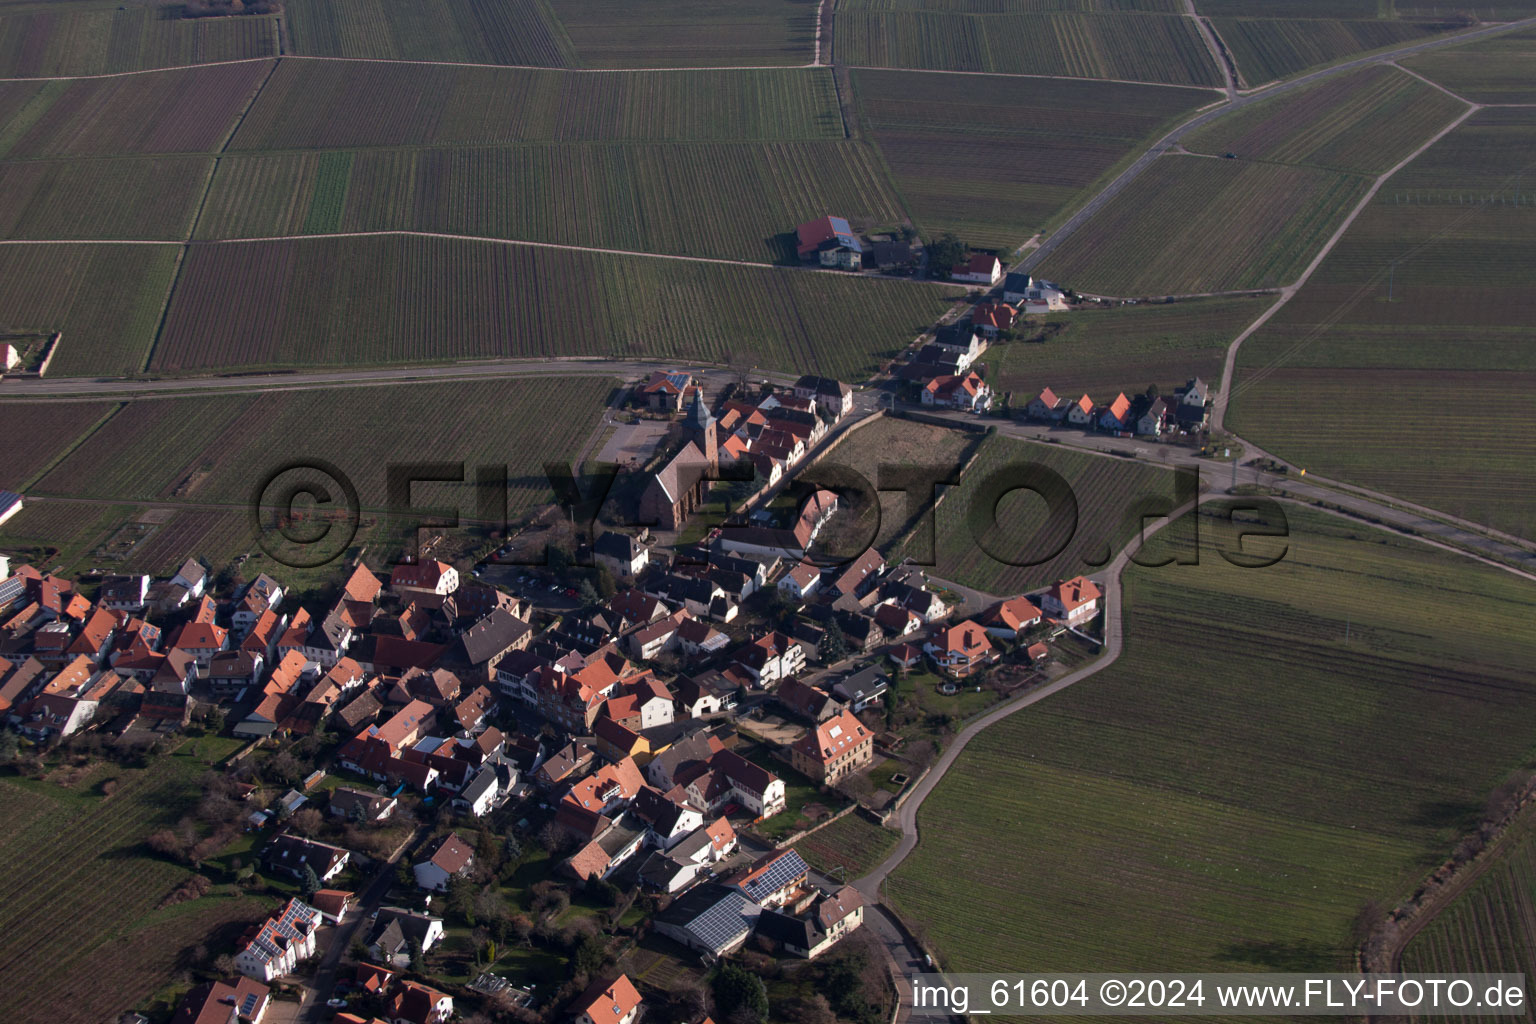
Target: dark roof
pixel 779 927
pixel 492 635
pixel 867 682
pixel 885 254
pixel 617 545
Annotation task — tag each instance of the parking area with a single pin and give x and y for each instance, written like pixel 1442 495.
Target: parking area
pixel 633 442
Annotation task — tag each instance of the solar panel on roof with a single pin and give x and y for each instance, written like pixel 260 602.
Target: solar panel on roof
pixel 780 873
pixel 248 1005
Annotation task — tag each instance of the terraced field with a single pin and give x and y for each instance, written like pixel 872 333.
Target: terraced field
pixel 1275 748
pixel 338 104
pixel 994 161
pixel 1265 49
pixel 1123 348
pixel 479 31
pixel 1196 224
pixel 53 40
pixel 1144 48
pixel 1005 541
pixel 105 299
pixel 1424 305
pixel 397 299
pixel 154 197
pixel 684 33
pixel 186 111
pixel 1364 122
pixel 682 199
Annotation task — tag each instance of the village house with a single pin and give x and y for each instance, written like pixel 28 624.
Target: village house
pixel 826 392
pixel 291 854
pixel 1073 601
pixel 666 390
pixel 1154 418
pixel 710 918
pixel 1010 619
pixel 993 318
pixel 1080 412
pixel 277 945
pixel 415 1003
pixel 961 649
pixel 1116 416
pixel 980 268
pixel 621 554
pixel 770 658
pixel 427 577
pixel 828 921
pixel 834 749
pixel 608 1002
pixel 861 689
pixel 949 391
pixel 831 242
pixel 450 856
pixel 396 930
pixel 1047 407
pixel 360 805
pixel 222 1002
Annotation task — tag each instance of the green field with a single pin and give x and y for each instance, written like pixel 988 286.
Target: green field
pixel 1143 48
pixel 395 299
pixel 676 198
pixel 1269 48
pixel 1329 383
pixel 994 161
pixel 479 31
pixel 1490 927
pixel 1018 544
pixel 1121 348
pixel 187 111
pixel 1275 748
pixel 105 299
pixel 339 104
pixel 134 198
pixel 1496 70
pixel 82 887
pixel 852 842
pixel 1201 224
pixel 1364 122
pixel 216 449
pixel 682 33
pixel 53 42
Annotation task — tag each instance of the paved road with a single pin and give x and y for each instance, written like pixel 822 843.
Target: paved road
pixel 1205 117
pixel 1501 549
pixel 313 1010
pixel 574 366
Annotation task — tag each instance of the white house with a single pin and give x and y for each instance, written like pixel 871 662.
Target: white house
pixel 979 269
pixel 621 554
pixel 280 943
pixel 450 856
pixel 800 581
pixel 609 1002
pixel 1072 601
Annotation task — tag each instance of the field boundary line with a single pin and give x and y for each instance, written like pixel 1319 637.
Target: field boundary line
pixel 117 406
pixel 1022 74
pixel 1431 82
pixel 1229 367
pixel 1205 116
pixel 1214 48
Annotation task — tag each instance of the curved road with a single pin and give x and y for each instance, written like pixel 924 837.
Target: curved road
pixel 1210 114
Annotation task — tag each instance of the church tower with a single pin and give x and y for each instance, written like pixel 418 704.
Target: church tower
pixel 700 427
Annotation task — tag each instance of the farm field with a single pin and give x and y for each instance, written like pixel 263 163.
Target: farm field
pixel 1111 493
pixel 1491 927
pixel 343 104
pixel 393 299
pixel 1144 48
pixel 1125 348
pixel 52 534
pixel 1275 748
pixel 186 111
pixel 82 854
pixel 1364 122
pixel 226 445
pixel 1195 224
pixel 105 299
pixel 1265 49
pixel 852 842
pixel 1498 10
pixel 140 198
pixel 1447 243
pixel 1496 70
pixel 682 33
pixel 33 434
pixel 995 162
pixel 484 32
pixel 1021 6
pixel 676 198
pixel 53 42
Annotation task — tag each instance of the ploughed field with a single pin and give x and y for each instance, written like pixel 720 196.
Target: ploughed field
pixel 1275 748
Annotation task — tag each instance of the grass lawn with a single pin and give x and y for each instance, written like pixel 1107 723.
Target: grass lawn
pixel 1275 748
pixel 798 791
